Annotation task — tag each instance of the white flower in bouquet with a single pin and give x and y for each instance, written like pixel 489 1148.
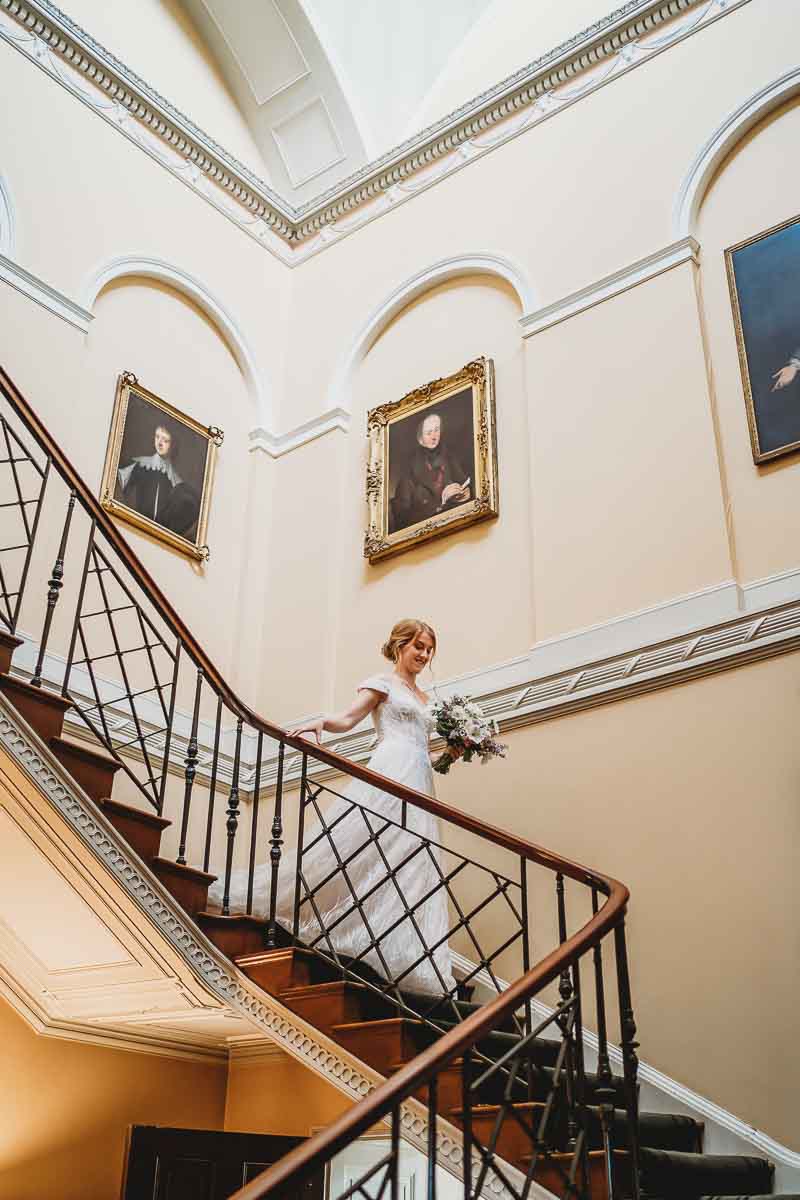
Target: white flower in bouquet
pixel 466 728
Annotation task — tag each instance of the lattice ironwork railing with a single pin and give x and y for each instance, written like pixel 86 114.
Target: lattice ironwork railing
pixel 101 633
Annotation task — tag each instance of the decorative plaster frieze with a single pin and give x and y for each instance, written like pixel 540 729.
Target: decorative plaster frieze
pixel 217 975
pixel 276 445
pixel 42 293
pixel 606 50
pixel 685 250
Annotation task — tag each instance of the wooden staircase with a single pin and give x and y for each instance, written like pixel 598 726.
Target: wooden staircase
pixel 367 1024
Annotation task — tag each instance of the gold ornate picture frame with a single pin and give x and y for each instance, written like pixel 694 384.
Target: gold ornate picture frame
pixel 159 468
pixel 432 461
pixel 762 279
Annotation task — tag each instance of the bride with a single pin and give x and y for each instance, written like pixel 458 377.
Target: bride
pixel 359 903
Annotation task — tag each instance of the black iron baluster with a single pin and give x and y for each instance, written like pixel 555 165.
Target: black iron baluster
pixel 605 1089
pixel 466 1117
pixel 232 822
pixel 212 790
pixel 300 827
pixel 630 1060
pixel 276 841
pixel 190 770
pixel 162 788
pixel 254 824
pixel 29 552
pixel 565 992
pixel 526 957
pixel 579 1083
pixel 78 610
pixel 55 583
pixel 433 1102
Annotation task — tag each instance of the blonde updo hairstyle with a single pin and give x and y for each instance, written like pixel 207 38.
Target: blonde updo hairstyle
pixel 402 633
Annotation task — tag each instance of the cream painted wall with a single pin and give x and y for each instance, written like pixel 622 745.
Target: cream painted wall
pixel 66 1107
pixel 278 1095
pixel 625 481
pixel 159 41
pixel 690 797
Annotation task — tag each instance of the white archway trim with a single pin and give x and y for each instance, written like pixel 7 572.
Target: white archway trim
pixel 724 137
pixel 481 263
pixel 8 226
pixel 175 277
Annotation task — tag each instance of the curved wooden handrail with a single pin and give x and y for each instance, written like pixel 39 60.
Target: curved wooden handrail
pixel 145 580
pixel 319 1149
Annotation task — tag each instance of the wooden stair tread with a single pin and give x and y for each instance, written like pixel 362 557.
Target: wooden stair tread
pixel 389 1023
pixel 12 683
pixel 87 753
pixel 151 819
pixel 333 987
pixel 172 868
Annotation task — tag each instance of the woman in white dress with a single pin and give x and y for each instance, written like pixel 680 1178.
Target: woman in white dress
pixel 411 947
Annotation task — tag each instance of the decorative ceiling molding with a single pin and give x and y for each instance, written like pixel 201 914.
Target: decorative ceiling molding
pixel 686 250
pixel 631 35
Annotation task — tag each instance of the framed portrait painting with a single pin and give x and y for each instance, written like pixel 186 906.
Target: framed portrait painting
pixel 159 468
pixel 432 466
pixel 762 275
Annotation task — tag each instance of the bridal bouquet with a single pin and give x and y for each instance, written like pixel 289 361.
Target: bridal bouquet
pixel 464 725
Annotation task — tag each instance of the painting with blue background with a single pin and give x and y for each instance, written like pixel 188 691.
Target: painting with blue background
pixel 767 278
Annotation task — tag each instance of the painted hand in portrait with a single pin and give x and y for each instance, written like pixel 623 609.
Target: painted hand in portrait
pixel 435 477
pixel 762 274
pixel 432 465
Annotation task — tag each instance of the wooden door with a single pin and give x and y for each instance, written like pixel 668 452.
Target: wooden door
pixel 200 1164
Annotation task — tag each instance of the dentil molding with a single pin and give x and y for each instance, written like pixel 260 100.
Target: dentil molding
pixel 623 40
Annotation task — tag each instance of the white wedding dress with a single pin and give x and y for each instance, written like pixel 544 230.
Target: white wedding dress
pixel 411 948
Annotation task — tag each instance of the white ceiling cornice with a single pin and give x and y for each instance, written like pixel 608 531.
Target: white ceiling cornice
pixel 625 38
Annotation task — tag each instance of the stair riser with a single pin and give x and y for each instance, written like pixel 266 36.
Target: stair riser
pixel 141 838
pixel 96 779
pixel 8 644
pixel 190 893
pixel 233 941
pixel 43 711
pixel 282 971
pixel 323 1012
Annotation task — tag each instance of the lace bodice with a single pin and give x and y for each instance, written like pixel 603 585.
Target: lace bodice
pixel 401 716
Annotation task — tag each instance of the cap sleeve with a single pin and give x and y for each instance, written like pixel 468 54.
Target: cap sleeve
pixel 375 683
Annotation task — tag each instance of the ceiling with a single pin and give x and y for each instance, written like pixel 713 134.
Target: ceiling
pixel 328 85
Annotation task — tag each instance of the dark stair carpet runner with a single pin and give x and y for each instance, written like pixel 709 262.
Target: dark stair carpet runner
pixel 364 1021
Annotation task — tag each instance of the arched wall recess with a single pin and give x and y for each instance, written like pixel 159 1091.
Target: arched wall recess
pixel 339 395
pixel 732 130
pixel 181 281
pixel 7 222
